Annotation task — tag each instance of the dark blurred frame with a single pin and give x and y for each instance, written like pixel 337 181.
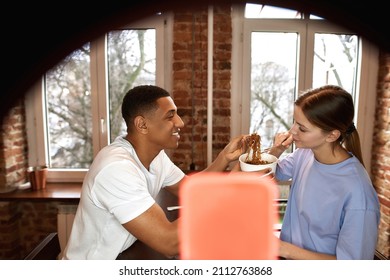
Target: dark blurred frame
pixel 36 36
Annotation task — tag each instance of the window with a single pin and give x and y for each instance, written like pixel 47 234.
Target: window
pixel 77 106
pixel 278 53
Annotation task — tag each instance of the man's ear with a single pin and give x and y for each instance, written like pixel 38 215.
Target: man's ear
pixel 333 135
pixel 140 124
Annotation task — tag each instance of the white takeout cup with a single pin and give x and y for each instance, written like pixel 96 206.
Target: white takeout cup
pixel 257 167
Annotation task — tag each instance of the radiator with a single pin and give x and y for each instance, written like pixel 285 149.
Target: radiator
pixel 65 218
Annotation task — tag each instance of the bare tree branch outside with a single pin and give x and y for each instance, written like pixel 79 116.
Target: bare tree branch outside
pixel 131 60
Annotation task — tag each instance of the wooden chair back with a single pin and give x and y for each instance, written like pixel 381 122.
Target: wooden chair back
pixel 48 249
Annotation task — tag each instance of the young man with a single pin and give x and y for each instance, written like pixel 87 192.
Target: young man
pixel 117 204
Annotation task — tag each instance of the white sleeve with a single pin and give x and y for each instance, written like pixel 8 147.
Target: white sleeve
pixel 121 189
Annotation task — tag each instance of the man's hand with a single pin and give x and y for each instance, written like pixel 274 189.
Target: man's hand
pixel 232 151
pixel 236 147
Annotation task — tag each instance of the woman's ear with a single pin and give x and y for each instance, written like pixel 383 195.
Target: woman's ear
pixel 333 135
pixel 140 124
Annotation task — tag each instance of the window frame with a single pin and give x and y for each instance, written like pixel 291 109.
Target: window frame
pixel 366 74
pixel 35 99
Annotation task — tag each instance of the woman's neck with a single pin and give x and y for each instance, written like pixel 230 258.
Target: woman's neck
pixel 331 155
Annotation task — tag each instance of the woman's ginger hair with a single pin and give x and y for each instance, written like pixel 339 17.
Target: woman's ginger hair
pixel 330 108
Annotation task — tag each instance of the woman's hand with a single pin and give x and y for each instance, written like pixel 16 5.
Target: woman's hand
pixel 282 141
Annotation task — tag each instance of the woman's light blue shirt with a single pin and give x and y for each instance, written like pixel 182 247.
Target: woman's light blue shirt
pixel 331 209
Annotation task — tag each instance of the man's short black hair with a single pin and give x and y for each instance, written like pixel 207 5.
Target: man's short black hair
pixel 140 100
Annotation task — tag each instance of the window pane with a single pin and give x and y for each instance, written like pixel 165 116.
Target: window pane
pixel 131 62
pixel 273 75
pixel 264 11
pixel 335 60
pixel 68 105
pixel 314 17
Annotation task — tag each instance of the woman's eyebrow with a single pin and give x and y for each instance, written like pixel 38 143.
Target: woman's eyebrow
pixel 300 124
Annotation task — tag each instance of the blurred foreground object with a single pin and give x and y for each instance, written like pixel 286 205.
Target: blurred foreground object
pixel 227 217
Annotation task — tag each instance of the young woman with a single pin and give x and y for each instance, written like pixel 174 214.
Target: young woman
pixel 333 209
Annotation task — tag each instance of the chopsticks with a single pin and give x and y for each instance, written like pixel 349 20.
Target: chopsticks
pixel 172 208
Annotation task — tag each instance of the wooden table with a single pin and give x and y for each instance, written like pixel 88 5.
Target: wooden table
pixel 53 191
pixel 139 250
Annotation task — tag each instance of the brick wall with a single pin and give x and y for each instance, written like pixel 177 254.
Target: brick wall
pixel 10 244
pixel 13 162
pixel 22 224
pixel 37 219
pixel 13 147
pixel 190 84
pixel 381 152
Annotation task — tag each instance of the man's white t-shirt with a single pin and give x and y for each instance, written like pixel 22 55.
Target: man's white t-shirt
pixel 116 189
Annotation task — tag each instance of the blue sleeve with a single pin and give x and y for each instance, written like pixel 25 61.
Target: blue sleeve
pixel 284 169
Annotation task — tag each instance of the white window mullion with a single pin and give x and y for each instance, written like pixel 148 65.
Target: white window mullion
pixel 100 119
pixel 307 59
pixel 237 69
pixel 364 103
pixel 36 124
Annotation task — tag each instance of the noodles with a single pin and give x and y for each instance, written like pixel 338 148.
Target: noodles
pixel 254 150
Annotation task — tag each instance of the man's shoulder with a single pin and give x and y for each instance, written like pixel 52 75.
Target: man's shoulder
pixel 115 152
pixel 119 145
